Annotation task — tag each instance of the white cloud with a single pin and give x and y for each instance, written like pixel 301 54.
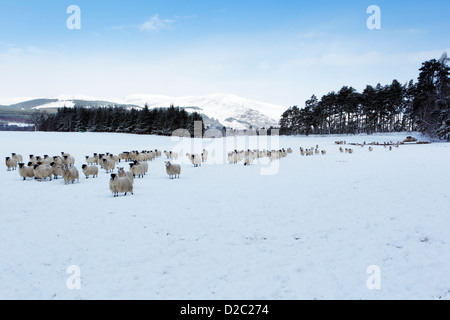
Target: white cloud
pixel 155 24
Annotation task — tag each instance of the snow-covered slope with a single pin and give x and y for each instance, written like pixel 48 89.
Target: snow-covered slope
pixel 229 110
pixel 311 230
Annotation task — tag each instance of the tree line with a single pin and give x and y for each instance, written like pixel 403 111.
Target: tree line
pixel 158 121
pixel 422 106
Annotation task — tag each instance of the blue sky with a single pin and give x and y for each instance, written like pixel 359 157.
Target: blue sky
pixel 274 51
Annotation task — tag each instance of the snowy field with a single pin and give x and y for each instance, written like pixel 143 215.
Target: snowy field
pixel 300 228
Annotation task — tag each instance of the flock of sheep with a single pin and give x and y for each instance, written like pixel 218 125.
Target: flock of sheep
pixel 46 167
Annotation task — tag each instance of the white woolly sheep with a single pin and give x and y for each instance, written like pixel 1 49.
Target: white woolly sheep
pixel 25 172
pixel 11 163
pixel 70 174
pixel 17 157
pixel 108 165
pixel 90 160
pixel 118 184
pixel 370 149
pixel 248 160
pixel 173 155
pixel 122 174
pixel 124 156
pixel 196 160
pixel 173 170
pixel 42 172
pixel 90 171
pixel 68 160
pixel 143 164
pixel 57 159
pixel 137 170
pixel 57 170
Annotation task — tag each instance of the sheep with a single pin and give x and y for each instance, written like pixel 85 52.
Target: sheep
pixel 370 149
pixel 196 160
pixel 90 171
pixel 204 157
pixel 90 160
pixel 143 164
pixel 108 165
pixel 289 150
pixel 118 184
pixel 57 159
pixel 97 160
pixel 57 170
pixel 137 170
pixel 350 150
pixel 113 158
pixel 11 164
pixel 248 160
pixel 390 148
pixel 173 170
pixel 68 160
pixel 157 153
pixel 25 172
pixel 173 155
pixel 47 160
pixel 341 150
pixel 167 154
pixel 70 174
pixel 122 174
pixel 32 159
pixel 324 152
pixel 42 171
pixel 232 158
pixel 124 156
pixel 17 157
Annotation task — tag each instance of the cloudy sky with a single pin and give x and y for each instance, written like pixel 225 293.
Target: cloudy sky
pixel 279 52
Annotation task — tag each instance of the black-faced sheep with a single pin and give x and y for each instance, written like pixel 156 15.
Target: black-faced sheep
pixel 90 171
pixel 118 184
pixel 25 172
pixel 11 163
pixel 42 171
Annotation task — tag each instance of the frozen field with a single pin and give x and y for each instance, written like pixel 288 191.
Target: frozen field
pixel 300 228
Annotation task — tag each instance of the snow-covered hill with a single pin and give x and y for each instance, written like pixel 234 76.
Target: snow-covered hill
pixel 229 110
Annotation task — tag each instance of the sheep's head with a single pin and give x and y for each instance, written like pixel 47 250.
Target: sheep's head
pixel 83 166
pixel 113 176
pixel 52 164
pixel 30 164
pixel 13 154
pixel 35 166
pixel 7 158
pixel 168 164
pixel 65 157
pixel 131 165
pixel 31 156
pixel 87 157
pixel 21 165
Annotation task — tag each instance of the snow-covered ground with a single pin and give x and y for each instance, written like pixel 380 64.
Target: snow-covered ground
pixel 304 228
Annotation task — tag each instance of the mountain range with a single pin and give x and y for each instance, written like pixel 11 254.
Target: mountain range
pixel 216 109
